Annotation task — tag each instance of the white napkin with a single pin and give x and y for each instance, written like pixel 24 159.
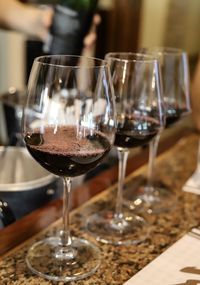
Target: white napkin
pixel 178 265
pixel 192 185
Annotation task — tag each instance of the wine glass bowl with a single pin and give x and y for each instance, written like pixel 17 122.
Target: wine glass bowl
pixel 136 81
pixel 68 128
pixel 175 79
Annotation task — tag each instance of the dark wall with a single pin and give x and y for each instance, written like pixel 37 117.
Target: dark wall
pixel 119 30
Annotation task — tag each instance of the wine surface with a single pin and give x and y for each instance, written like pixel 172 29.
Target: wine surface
pixel 66 151
pixel 173 115
pixel 135 131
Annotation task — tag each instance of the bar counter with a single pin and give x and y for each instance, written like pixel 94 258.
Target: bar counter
pixel 176 161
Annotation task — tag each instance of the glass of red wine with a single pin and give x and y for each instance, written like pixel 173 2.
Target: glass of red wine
pixel 140 116
pixel 68 128
pixel 154 195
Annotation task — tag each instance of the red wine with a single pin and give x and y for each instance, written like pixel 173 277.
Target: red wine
pixel 64 153
pixel 135 131
pixel 173 114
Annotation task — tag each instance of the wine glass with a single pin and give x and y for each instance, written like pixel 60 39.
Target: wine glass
pixel 140 115
pixel 68 128
pixel 155 196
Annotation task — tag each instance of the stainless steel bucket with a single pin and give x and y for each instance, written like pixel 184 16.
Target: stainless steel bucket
pixel 11 107
pixel 24 184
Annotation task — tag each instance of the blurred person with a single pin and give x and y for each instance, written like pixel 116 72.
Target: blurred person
pixel 31 20
pixel 35 21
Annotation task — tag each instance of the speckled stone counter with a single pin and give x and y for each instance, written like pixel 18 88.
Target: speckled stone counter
pixel 119 263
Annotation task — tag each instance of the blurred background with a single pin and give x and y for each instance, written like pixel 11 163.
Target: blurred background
pixel 126 25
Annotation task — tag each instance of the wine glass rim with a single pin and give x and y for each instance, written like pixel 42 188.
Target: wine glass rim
pixel 164 50
pixel 102 62
pixel 137 56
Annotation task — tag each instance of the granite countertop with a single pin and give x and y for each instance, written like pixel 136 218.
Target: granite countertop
pixel 119 263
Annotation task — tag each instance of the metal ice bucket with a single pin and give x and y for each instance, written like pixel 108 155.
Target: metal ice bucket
pixel 11 107
pixel 24 184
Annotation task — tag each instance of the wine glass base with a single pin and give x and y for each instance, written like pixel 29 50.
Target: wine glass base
pixel 152 200
pixel 42 260
pixel 126 230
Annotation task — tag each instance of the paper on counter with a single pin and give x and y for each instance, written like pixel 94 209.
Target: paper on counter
pixel 178 265
pixel 192 185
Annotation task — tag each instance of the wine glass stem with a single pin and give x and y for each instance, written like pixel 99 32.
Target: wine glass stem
pixel 153 147
pixel 65 233
pixel 65 251
pixel 122 156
